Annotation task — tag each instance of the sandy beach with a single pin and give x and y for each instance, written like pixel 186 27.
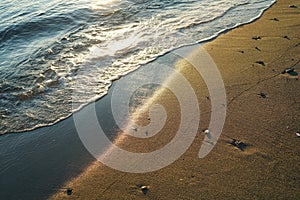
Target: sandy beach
pixel 257 155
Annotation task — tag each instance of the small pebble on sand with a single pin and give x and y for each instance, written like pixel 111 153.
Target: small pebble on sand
pixel 144 189
pixel 286 37
pixel 69 191
pixel 293 6
pixel 256 37
pixel 262 95
pixel 261 63
pixel 275 19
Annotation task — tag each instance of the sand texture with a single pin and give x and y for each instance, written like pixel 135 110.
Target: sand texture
pixel 257 155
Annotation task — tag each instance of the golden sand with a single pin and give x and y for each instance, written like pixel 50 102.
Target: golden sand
pixel 263 114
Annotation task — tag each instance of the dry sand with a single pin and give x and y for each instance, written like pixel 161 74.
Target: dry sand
pixel 263 113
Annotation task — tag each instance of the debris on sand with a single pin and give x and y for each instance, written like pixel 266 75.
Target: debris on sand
pixel 261 63
pixel 262 95
pixel 256 38
pixel 290 71
pixel 286 37
pixel 275 19
pixel 298 134
pixel 144 189
pixel 258 49
pixel 293 6
pixel 207 133
pixel 238 144
pixel 69 191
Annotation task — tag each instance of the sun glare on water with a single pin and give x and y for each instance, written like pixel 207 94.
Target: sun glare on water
pixel 100 4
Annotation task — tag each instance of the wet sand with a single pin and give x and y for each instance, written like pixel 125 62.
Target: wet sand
pixel 257 155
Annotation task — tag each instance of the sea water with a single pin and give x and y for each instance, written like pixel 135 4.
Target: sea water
pixel 45 43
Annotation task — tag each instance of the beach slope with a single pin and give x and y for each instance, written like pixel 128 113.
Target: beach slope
pixel 257 155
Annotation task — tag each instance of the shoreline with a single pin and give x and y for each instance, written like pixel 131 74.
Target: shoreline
pixel 94 99
pixel 259 116
pixel 253 67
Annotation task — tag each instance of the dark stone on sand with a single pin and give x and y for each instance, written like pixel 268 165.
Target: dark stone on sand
pixel 275 19
pixel 144 189
pixel 261 63
pixel 286 37
pixel 293 6
pixel 69 191
pixel 256 37
pixel 240 145
pixel 258 49
pixel 262 95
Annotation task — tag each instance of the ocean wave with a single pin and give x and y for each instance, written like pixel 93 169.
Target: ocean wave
pixel 92 44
